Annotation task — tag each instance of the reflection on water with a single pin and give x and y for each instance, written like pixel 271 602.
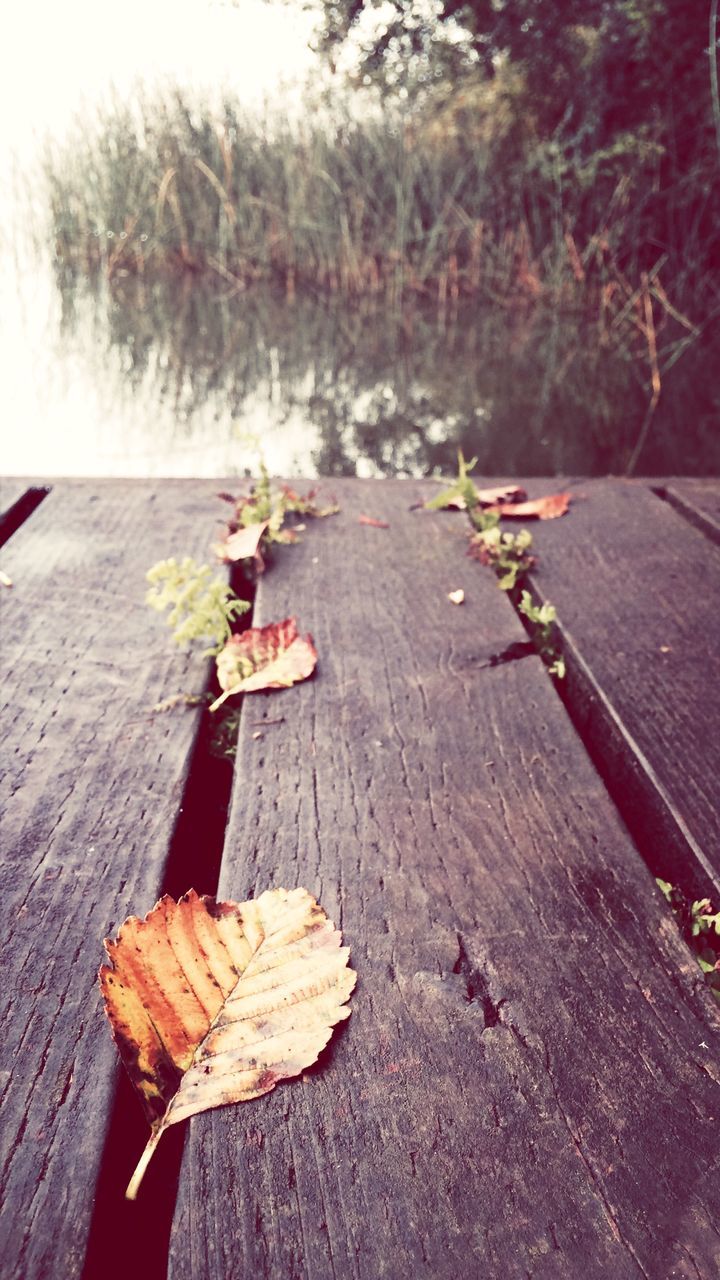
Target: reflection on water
pixel 179 378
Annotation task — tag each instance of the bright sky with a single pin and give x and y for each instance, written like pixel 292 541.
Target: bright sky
pixel 58 55
pixel 57 59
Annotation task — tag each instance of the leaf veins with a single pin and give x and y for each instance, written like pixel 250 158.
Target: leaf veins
pixel 215 1002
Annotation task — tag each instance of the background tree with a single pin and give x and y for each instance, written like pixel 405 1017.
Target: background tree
pixel 596 108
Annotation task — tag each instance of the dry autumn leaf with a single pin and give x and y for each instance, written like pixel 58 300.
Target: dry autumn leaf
pixel 454 501
pixel 503 493
pixel 548 508
pixel 306 506
pixel 272 657
pixel 244 544
pixel 373 523
pixel 216 1002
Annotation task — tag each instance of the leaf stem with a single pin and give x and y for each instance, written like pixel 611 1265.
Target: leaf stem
pixel 147 1155
pixel 223 696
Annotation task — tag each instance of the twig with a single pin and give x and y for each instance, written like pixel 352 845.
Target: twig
pixel 649 328
pixel 713 69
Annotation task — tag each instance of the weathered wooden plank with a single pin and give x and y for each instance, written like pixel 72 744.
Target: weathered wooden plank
pixel 528 1084
pixel 698 500
pixel 90 789
pixel 637 590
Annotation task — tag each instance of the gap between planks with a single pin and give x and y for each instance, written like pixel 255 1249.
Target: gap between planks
pixel 19 508
pixel 650 808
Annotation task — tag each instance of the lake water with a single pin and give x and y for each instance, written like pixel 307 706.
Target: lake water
pixel 186 378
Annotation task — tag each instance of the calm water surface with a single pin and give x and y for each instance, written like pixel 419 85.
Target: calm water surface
pixel 184 377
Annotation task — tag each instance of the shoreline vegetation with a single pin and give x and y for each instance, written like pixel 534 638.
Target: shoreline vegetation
pixel 554 167
pixel 404 210
pixel 390 204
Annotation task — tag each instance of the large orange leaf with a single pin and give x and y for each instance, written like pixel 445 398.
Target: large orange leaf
pixel 272 657
pixel 216 1002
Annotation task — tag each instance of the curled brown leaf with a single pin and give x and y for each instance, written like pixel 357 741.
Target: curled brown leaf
pixel 547 508
pixel 243 544
pixel 503 493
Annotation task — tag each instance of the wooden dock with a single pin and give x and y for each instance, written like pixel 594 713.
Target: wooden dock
pixel 529 1084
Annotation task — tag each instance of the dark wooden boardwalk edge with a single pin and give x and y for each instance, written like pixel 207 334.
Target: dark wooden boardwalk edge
pixel 689 507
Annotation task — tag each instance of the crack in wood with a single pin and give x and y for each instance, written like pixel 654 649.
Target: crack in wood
pixel 476 986
pixel 512 653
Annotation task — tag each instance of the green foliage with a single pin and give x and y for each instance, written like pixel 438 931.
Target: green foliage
pixel 223 743
pixel 508 554
pixel 700 928
pixel 271 506
pixel 522 176
pixel 263 505
pixel 542 620
pixel 592 115
pixel 202 607
pixel 462 493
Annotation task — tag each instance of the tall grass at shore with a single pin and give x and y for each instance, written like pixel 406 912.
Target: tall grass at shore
pixel 379 204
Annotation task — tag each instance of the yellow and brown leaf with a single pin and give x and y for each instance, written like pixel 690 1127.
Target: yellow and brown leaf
pixel 215 1002
pixel 272 657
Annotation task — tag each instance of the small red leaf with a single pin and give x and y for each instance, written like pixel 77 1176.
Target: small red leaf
pixel 374 524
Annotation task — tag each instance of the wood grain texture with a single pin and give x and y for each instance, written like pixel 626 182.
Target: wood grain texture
pixel 90 789
pixel 528 1086
pixel 698 500
pixel 637 590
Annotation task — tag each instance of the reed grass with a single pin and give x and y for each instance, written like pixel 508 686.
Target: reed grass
pixel 378 205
